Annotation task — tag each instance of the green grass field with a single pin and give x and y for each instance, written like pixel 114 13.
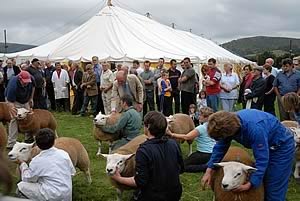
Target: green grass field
pixel 101 189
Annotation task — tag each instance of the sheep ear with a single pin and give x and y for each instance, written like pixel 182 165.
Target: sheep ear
pixel 104 155
pixel 126 157
pixel 33 144
pixel 219 164
pixel 249 169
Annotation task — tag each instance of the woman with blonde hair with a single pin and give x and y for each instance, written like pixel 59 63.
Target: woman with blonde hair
pixel 291 103
pixel 197 161
pixel 272 144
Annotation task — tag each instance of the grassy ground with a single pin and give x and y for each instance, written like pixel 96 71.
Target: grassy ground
pixel 101 189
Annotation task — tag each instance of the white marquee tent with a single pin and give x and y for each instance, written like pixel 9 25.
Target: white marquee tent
pixel 117 34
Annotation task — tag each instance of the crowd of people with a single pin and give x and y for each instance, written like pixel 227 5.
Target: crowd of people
pixel 135 91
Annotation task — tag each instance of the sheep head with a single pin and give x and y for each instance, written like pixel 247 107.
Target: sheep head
pixel 22 113
pixel 21 151
pixel 100 119
pixel 114 161
pixel 235 174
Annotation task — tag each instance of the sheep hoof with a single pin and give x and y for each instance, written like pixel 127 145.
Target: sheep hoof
pixel 88 176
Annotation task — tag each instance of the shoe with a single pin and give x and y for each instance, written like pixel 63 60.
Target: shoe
pixel 91 116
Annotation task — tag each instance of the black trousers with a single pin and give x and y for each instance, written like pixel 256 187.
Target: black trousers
pixel 157 101
pixel 166 105
pixel 269 101
pixel 149 102
pixel 39 99
pixel 61 104
pixel 2 90
pixel 187 98
pixel 176 97
pixel 51 96
pixel 196 162
pixel 78 101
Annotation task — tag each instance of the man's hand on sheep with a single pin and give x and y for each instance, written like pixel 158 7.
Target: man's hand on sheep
pixel 206 179
pixel 243 187
pixel 12 110
pixel 168 132
pixel 117 175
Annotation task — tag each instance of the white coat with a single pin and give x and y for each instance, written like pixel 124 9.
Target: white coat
pixel 48 176
pixel 60 84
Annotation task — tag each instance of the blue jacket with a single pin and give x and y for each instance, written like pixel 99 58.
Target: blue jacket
pixel 16 92
pixel 260 132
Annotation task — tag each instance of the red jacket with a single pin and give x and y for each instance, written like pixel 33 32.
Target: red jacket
pixel 215 76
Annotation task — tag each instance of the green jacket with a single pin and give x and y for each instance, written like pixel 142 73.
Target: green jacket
pixel 130 123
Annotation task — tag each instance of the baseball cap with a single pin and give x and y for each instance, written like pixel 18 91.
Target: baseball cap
pixel 25 76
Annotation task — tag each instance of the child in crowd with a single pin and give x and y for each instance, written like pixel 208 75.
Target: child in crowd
pixel 89 85
pixel 165 95
pixel 194 114
pixel 201 100
pixel 196 162
pixel 291 103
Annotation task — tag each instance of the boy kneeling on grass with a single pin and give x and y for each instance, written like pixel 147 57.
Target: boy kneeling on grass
pixel 49 174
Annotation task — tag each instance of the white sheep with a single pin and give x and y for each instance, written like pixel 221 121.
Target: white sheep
pixel 123 158
pixel 181 124
pixel 32 121
pixel 102 120
pixel 236 167
pixel 77 152
pixel 3 138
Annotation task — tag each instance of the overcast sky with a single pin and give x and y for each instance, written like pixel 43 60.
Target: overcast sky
pixel 39 21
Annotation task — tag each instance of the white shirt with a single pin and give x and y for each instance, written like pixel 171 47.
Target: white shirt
pixel 107 78
pixel 60 84
pixel 52 170
pixel 230 81
pixel 139 70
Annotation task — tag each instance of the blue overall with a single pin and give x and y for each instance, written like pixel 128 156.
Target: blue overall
pixel 273 148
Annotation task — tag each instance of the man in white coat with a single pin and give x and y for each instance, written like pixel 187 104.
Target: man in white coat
pixel 60 80
pixel 49 175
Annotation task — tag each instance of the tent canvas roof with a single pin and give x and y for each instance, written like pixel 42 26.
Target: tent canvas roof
pixel 120 35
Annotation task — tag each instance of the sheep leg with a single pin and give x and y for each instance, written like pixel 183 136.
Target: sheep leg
pixel 190 149
pixel 119 194
pixel 99 148
pixel 297 171
pixel 110 147
pixel 56 135
pixel 88 176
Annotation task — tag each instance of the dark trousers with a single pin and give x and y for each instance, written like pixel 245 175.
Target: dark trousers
pixel 2 89
pixel 149 102
pixel 166 105
pixel 61 104
pixel 78 100
pixel 196 162
pixel 39 99
pixel 176 97
pixel 86 101
pixel 99 106
pixel 51 96
pixel 157 101
pixel 187 98
pixel 269 104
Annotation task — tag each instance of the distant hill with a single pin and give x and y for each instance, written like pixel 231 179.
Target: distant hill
pixel 247 47
pixel 14 47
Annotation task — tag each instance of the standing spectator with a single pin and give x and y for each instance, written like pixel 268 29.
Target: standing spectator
pixel 19 94
pixel 165 94
pixel 213 85
pixel 49 175
pixel 1 66
pixel 9 71
pixel 270 95
pixel 158 164
pixel 119 66
pixel 229 85
pixel 89 85
pixel 245 84
pixel 127 84
pixel 194 114
pixel 201 101
pixel 187 84
pixel 291 103
pixel 148 79
pixel 174 75
pixel 270 62
pixel 60 80
pixel 288 80
pixel 39 101
pixel 256 92
pixel 76 79
pixel 24 66
pixel 97 68
pixel 137 67
pixel 49 85
pixel 204 75
pixel 157 75
pixel 296 63
pixel 2 88
pixel 107 80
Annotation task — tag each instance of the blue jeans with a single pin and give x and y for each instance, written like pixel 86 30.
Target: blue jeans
pixel 86 101
pixel 213 102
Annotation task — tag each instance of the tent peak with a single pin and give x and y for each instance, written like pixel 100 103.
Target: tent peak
pixel 109 3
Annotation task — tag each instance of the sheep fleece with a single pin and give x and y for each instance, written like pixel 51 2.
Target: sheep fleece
pixel 254 194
